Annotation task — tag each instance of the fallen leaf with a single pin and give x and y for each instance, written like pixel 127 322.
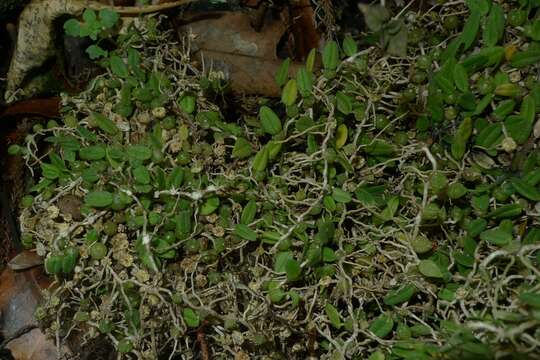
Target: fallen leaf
pixel 33 345
pixel 304 29
pixel 247 58
pixel 20 293
pixel 25 260
pixel 43 107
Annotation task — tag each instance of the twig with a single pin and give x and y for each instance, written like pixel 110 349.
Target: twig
pixel 136 10
pixel 201 339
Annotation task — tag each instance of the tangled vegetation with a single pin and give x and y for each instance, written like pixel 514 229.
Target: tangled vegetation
pixel 386 207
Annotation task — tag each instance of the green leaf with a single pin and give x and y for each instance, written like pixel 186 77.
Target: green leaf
pixel 528 109
pixel 326 229
pixel 421 244
pixel 289 93
pixel 470 30
pixel 467 101
pixel 377 355
pixel 187 103
pixel 67 143
pixel 105 124
pixel 456 190
pixel 532 30
pixel 461 78
pixel 452 49
pixel 390 210
pixel 125 346
pixel 459 142
pixel 518 128
pixel 508 90
pixel 333 315
pixel 98 199
pixel 95 52
pixel 275 293
pixel 245 232
pixel 489 136
pixel 370 195
pixel 430 269
pixel 139 152
pixel 341 196
pixel 494 28
pixel 380 148
pixel 242 148
pixel 532 237
pixel 483 104
pixel 118 67
pixel 480 202
pixel 270 237
pixel 69 259
pixel 184 224
pixel 526 190
pixel 53 264
pixel 329 203
pixel 531 299
pixel 281 260
pixel 344 103
pixel 464 259
pixel 283 73
pixel 175 178
pixel 342 133
pixel 124 107
pixel 43 183
pixel 479 6
pixel 375 16
pixel 382 326
pixel 141 175
pixel 72 27
pixel 397 45
pixel 328 254
pixel 304 80
pixel 90 175
pixel 293 270
pixel 475 227
pixel 108 18
pixel 528 57
pixel 399 295
pixel 89 16
pixel 270 122
pixel 94 152
pixel 249 212
pixel 57 161
pixel 90 29
pixel 134 62
pixel 349 46
pixel 496 237
pixel 330 56
pixel 260 161
pixel 310 61
pixel 191 318
pixel 445 82
pixel 484 58
pixel 50 171
pixel 209 206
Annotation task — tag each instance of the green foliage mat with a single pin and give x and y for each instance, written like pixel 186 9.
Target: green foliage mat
pixel 385 208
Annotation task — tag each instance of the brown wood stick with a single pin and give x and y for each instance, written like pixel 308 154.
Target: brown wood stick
pixel 137 10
